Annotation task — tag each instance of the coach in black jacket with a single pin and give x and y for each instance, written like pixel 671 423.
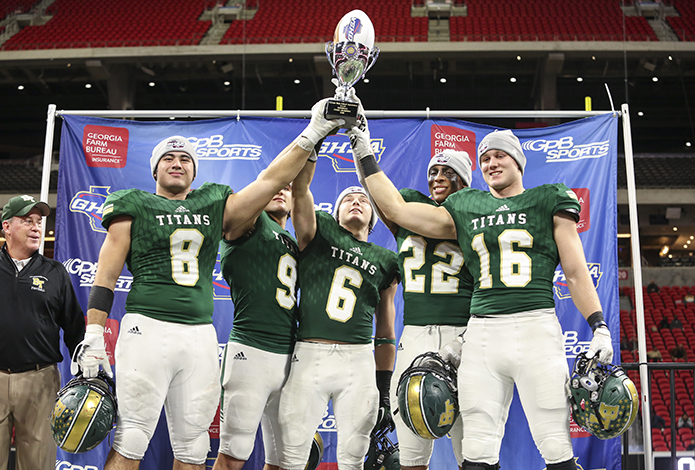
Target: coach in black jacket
pixel 36 301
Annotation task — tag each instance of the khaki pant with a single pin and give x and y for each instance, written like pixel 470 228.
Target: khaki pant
pixel 26 401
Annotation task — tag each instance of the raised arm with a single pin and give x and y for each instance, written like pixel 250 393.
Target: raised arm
pixel 243 208
pixel 303 214
pixel 580 284
pixel 364 127
pixel 430 221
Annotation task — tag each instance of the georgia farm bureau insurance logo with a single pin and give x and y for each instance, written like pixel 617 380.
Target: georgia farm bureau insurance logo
pixel 565 150
pixel 91 203
pixel 337 148
pixel 560 282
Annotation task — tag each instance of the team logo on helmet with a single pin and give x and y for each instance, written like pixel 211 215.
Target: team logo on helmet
pixel 428 396
pixel 604 400
pixel 84 413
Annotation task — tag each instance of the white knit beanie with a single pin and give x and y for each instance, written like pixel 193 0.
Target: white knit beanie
pixel 505 141
pixel 175 143
pixel 457 160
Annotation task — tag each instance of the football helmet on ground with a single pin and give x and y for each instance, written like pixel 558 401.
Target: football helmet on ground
pixel 428 396
pixel 316 454
pixel 382 454
pixel 604 400
pixel 84 413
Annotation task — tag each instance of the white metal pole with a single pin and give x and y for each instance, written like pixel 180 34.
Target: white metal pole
pixel 639 300
pixel 47 160
pixel 305 114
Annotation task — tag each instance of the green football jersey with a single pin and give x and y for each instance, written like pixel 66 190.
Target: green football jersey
pixel 173 249
pixel 261 270
pixel 437 287
pixel 340 279
pixel 509 247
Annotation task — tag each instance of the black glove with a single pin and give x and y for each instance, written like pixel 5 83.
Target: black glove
pixel 384 418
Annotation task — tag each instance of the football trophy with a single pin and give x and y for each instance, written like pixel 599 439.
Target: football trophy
pixel 351 54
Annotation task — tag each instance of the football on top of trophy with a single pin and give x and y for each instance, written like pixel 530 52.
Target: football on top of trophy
pixel 355 26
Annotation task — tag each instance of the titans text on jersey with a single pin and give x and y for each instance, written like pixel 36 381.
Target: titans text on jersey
pixel 507 219
pixel 183 219
pixel 353 258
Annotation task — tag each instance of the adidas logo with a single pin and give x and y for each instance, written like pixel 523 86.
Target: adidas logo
pixel 294 358
pixel 239 356
pixel 356 249
pixel 400 346
pixel 502 208
pixel 181 209
pixel 134 331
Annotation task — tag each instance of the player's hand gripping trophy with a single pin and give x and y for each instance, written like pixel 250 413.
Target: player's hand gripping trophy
pixel 351 54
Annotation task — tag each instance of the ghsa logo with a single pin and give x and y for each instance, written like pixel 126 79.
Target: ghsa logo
pixel 91 204
pixel 337 148
pixel 560 282
pixel 565 150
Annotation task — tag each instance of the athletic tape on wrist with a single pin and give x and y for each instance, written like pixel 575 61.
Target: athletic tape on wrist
pixel 378 341
pixel 596 320
pixel 100 298
pixel 369 165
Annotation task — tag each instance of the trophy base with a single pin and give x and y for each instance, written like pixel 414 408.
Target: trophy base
pixel 347 110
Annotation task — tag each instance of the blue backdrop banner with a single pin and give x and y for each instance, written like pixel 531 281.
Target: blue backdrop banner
pixel 100 156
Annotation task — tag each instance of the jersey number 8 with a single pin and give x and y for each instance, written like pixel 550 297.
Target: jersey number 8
pixel 185 246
